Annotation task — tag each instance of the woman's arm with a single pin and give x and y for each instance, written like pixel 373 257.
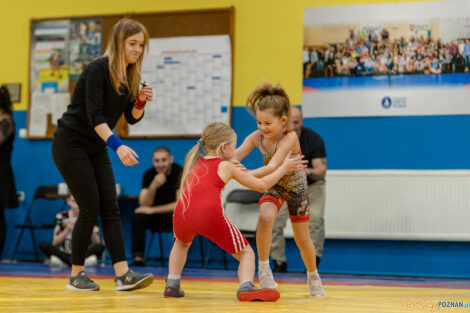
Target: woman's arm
pixel 248 144
pixel 161 209
pixel 287 144
pixel 127 156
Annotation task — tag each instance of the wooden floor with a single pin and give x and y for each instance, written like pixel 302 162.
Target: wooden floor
pixel 39 294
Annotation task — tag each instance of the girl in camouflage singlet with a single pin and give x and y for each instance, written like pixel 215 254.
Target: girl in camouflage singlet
pixel 271 107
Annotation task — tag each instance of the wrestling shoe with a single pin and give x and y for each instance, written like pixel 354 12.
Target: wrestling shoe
pixel 251 293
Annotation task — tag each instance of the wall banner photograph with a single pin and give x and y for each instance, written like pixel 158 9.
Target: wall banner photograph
pixel 392 59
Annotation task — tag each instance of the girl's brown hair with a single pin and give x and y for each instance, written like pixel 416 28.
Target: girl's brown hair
pixel 269 96
pixel 122 76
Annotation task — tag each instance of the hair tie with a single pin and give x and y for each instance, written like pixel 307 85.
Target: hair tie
pixel 200 142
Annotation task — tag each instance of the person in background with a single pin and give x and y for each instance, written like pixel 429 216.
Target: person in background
pixel 313 148
pixel 157 201
pixel 8 197
pixel 61 246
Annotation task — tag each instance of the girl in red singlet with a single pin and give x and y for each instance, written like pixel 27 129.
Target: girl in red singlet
pixel 271 107
pixel 199 210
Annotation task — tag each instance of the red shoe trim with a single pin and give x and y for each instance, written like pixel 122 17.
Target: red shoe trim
pixel 265 295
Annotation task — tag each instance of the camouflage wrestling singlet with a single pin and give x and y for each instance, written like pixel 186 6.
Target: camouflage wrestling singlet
pixel 291 188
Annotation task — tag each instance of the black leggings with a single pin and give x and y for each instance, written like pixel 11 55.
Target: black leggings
pixel 85 166
pixel 3 228
pixel 49 249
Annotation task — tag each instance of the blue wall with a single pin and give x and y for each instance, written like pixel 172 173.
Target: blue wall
pixel 433 142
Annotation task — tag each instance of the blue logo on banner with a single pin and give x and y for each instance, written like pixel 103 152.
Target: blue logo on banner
pixel 386 102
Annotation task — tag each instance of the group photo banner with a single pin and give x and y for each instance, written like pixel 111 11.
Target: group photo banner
pixel 392 59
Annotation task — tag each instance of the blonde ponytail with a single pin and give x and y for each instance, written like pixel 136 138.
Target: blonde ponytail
pixel 213 136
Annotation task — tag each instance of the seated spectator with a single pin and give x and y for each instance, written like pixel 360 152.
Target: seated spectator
pixel 359 68
pixel 369 65
pixel 157 200
pixel 60 249
pixel 435 65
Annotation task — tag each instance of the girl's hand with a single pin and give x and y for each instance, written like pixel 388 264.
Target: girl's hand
pixel 145 94
pixel 127 156
pixel 294 164
pixel 239 165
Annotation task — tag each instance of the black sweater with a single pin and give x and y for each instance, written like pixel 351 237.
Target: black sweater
pixel 95 102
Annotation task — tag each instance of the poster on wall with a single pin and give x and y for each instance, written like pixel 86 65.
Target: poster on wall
pixel 49 70
pixel 387 59
pixel 85 44
pixel 61 49
pixel 192 79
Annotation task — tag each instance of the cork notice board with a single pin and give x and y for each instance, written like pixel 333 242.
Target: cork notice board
pixel 189 66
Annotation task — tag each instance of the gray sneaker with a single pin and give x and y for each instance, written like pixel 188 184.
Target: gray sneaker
pixel 132 280
pixel 315 287
pixel 173 289
pixel 266 279
pixel 82 282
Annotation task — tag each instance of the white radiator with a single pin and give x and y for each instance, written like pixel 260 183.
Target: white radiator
pixel 393 204
pixel 398 204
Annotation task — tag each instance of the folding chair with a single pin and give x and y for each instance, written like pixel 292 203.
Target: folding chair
pixel 242 208
pixel 44 192
pixel 162 257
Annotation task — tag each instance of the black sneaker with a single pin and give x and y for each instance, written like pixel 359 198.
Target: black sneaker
pixel 173 292
pixel 82 282
pixel 132 280
pixel 280 267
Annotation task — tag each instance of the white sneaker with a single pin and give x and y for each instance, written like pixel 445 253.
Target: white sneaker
pixel 315 287
pixel 56 262
pixel 92 260
pixel 266 279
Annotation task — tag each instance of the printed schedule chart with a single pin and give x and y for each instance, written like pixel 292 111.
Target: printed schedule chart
pixel 191 79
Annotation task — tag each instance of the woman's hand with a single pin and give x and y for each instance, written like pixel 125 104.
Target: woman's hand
pixel 294 164
pixel 145 94
pixel 127 156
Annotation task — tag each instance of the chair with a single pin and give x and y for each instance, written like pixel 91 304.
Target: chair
pixel 242 207
pixel 44 192
pixel 161 256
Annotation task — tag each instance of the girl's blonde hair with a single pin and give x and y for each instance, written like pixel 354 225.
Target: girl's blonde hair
pixel 213 136
pixel 268 96
pixel 122 76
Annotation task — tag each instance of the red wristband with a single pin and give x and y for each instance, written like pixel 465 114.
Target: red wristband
pixel 140 105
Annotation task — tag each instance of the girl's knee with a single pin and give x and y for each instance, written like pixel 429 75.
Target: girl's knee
pixel 267 215
pixel 248 250
pixel 266 219
pixel 246 253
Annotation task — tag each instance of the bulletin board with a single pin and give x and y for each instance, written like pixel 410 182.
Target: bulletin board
pixel 189 65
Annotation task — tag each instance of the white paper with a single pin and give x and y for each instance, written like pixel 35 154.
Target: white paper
pixel 188 75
